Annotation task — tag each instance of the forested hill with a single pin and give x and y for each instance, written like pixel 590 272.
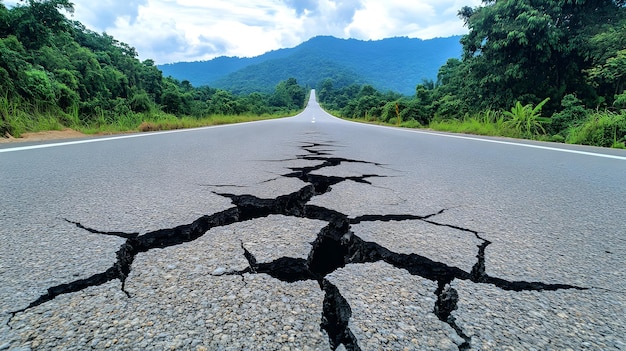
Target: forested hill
pixel 56 73
pixel 395 64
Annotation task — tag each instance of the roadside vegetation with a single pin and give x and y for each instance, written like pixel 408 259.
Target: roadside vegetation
pixel 544 70
pixel 55 74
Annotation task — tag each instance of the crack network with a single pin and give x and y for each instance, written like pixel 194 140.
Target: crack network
pixel 335 247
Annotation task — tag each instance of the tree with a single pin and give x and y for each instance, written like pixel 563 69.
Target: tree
pixel 151 79
pixel 89 73
pixel 171 99
pixel 368 106
pixel 66 98
pixel 367 90
pixel 37 22
pixel 611 75
pixel 116 82
pixel 256 103
pixel 606 51
pixel 4 21
pixel 222 103
pixel 531 49
pixel 12 64
pixel 289 95
pixel 325 90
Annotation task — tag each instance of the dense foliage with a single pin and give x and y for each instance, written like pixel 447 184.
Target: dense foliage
pixel 394 64
pixel 55 72
pixel 207 72
pixel 523 61
pixel 265 75
pixel 544 69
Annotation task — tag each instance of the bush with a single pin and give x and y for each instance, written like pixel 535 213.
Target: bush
pixel 572 114
pixel 411 124
pixel 620 101
pixel 526 119
pixel 36 86
pixel 140 102
pixel 120 108
pixel 450 107
pixel 66 98
pixel 605 129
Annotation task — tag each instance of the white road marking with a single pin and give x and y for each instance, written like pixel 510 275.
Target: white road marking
pixel 587 153
pixel 137 135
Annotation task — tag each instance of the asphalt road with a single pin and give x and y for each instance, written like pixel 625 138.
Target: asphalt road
pixel 314 233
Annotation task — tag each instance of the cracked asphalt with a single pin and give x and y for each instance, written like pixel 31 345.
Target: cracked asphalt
pixel 311 233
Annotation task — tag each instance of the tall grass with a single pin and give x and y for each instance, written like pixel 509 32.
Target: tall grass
pixel 606 129
pixel 18 117
pixel 490 123
pixel 158 120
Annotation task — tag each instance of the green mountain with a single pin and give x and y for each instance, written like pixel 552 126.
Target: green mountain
pixel 396 64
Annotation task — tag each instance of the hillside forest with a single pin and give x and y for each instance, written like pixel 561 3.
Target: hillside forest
pixel 55 73
pixel 345 61
pixel 539 69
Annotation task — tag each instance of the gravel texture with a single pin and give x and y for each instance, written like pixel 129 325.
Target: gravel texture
pixel 392 310
pixel 531 320
pixel 177 303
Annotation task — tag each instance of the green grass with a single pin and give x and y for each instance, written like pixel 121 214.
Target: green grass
pixel 18 117
pixel 411 124
pixel 605 129
pixel 368 120
pixel 17 122
pixel 172 122
pixel 372 120
pixel 467 126
pixel 601 128
pixel 488 123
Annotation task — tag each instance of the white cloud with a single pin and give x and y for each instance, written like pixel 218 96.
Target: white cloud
pixel 190 30
pixel 199 30
pixel 102 13
pixel 423 19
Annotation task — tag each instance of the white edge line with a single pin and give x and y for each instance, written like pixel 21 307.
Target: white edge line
pixel 129 136
pixel 138 135
pixel 623 158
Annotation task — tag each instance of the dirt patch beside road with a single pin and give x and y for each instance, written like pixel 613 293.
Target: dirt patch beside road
pixel 42 136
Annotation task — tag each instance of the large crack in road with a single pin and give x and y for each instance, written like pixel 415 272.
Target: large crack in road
pixel 335 247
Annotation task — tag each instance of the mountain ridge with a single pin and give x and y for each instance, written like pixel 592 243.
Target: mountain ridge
pixel 395 64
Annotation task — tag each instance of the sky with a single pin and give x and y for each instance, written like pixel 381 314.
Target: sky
pixel 196 30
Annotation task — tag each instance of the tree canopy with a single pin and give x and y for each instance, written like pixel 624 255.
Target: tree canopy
pixel 50 65
pixel 531 67
pixel 531 49
pixel 523 61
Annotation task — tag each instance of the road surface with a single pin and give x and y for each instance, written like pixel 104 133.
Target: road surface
pixel 311 233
